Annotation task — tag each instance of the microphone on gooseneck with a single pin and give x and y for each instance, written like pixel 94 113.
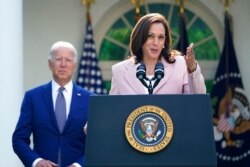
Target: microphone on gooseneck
pixel 141 74
pixel 159 73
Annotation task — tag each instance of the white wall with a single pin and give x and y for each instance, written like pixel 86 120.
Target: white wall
pixel 47 21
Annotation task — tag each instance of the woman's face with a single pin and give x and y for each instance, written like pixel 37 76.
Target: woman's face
pixel 155 42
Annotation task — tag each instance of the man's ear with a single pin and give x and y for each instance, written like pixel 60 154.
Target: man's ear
pixel 49 64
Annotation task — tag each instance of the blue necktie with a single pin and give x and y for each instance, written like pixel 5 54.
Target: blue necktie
pixel 60 109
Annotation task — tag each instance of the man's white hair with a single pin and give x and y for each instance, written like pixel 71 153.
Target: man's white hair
pixel 64 44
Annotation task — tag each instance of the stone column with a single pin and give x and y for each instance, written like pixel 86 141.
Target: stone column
pixel 11 76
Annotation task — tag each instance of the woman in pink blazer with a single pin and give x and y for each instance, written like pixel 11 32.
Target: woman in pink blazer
pixel 150 43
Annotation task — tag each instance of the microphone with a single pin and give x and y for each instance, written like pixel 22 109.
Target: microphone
pixel 159 73
pixel 141 74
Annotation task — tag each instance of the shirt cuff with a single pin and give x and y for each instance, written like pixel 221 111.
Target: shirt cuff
pixel 36 161
pixel 77 165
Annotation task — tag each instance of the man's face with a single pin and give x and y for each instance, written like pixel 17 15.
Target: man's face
pixel 62 65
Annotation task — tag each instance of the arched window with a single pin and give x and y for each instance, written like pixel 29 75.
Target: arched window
pixel 203 30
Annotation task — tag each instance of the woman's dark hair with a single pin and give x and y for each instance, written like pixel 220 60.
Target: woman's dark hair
pixel 140 32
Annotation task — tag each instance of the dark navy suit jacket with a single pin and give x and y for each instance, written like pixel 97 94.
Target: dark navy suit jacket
pixel 37 117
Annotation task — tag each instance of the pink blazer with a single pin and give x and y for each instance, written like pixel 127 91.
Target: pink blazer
pixel 176 79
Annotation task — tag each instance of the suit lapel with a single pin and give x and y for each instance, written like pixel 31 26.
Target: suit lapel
pixel 131 80
pixel 47 96
pixel 168 72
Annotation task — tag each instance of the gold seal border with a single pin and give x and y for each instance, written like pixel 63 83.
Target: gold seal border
pixel 145 109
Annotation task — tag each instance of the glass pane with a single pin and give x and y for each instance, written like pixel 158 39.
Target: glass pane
pixel 159 8
pixel 174 40
pixel 208 50
pixel 120 32
pixel 174 25
pixel 131 17
pixel 189 15
pixel 175 20
pixel 111 51
pixel 198 31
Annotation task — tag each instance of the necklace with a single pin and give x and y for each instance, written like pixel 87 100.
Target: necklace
pixel 150 72
pixel 150 68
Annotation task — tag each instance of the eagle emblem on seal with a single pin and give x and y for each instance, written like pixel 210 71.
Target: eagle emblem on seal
pixel 149 127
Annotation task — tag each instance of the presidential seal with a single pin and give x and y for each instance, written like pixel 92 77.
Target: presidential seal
pixel 149 129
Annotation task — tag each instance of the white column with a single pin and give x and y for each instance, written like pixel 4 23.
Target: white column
pixel 11 76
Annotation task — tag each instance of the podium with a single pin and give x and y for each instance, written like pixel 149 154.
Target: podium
pixel 192 143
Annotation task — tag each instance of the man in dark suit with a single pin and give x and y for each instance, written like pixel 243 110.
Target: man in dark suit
pixel 57 141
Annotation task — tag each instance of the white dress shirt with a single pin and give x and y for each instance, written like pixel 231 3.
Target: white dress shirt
pixel 68 89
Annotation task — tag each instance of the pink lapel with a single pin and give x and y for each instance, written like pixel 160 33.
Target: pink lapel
pixel 168 72
pixel 131 80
